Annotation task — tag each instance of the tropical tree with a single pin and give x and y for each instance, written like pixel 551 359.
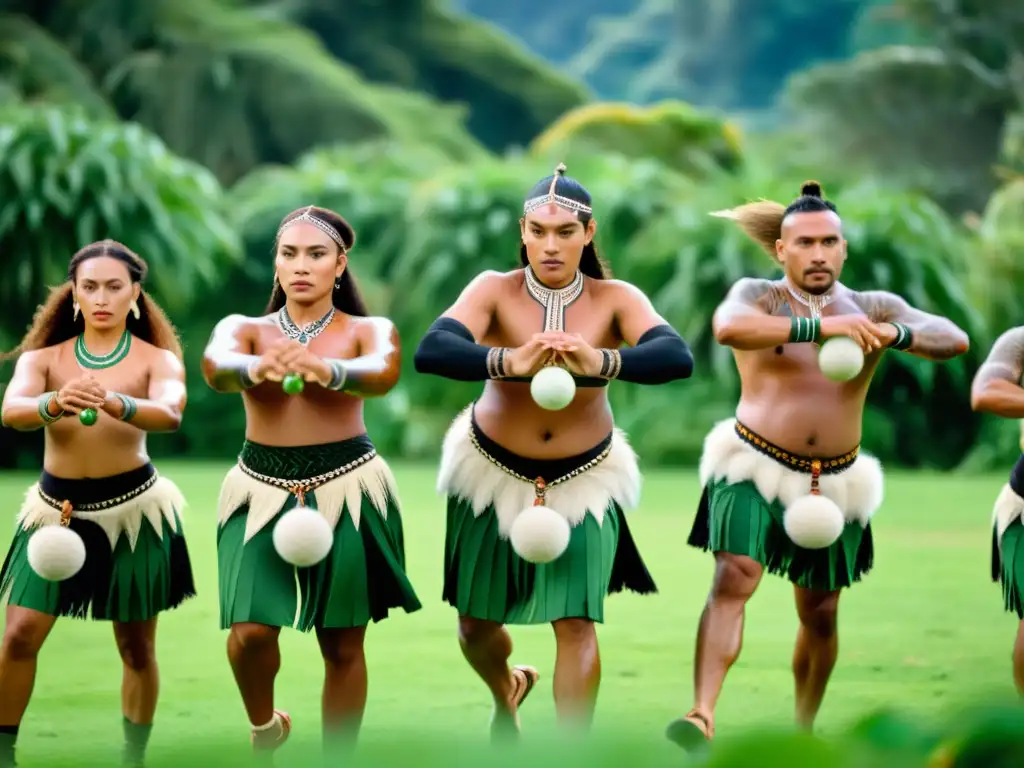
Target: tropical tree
pixel 228 84
pixel 66 180
pixel 682 137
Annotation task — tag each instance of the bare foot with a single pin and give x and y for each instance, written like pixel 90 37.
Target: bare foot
pixel 505 720
pixel 692 732
pixel 274 734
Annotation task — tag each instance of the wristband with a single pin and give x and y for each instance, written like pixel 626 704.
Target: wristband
pixel 496 363
pixel 611 363
pixel 904 337
pixel 44 408
pixel 129 406
pixel 339 375
pixel 804 329
pixel 245 376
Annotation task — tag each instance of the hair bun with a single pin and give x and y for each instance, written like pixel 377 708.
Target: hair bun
pixel 560 169
pixel 812 189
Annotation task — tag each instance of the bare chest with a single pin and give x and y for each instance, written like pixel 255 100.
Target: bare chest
pixel 130 376
pixel 519 319
pixel 337 341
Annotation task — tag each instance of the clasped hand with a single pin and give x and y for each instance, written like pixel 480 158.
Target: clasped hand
pixel 79 394
pixel 554 347
pixel 289 356
pixel 869 335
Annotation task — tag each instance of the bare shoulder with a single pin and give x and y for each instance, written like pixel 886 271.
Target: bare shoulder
pixel 239 325
pixel 880 306
pixel 1009 345
pixel 767 295
pixel 491 285
pixel 373 325
pixel 39 359
pixel 616 291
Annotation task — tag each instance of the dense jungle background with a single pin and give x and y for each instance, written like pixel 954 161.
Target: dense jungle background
pixel 187 128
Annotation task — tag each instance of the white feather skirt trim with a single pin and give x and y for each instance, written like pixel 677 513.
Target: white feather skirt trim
pixel 372 479
pixel 161 501
pixel 857 491
pixel 467 474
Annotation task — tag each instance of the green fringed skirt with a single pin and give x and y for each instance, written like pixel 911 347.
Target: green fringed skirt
pixel 362 577
pixel 124 584
pixel 485 579
pixel 735 518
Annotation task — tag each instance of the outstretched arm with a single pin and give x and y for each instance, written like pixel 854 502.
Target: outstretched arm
pixel 26 407
pixel 374 372
pixel 657 354
pixel 229 355
pixel 162 410
pixel 996 388
pixel 745 318
pixel 919 333
pixel 450 347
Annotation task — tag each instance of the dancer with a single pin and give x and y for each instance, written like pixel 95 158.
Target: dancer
pixel 997 390
pixel 796 432
pixel 504 452
pixel 98 369
pixel 308 449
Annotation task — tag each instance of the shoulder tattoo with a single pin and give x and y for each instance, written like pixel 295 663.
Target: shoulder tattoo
pixel 1006 358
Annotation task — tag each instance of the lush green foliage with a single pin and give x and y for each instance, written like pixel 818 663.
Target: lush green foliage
pixel 66 181
pixel 335 126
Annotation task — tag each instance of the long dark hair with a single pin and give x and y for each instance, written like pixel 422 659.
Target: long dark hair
pixel 591 263
pixel 346 296
pixel 54 320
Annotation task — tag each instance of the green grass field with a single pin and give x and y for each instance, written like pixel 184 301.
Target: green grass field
pixel 925 632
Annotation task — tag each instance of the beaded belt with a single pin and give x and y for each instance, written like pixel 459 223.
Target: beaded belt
pixel 66 507
pixel 301 487
pixel 808 464
pixel 539 483
pixel 812 466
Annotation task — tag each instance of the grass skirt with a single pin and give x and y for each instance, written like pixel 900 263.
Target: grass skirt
pixel 137 562
pixel 361 579
pixel 748 484
pixel 1008 548
pixel 486 488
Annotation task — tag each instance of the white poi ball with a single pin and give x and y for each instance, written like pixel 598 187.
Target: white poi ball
pixel 302 537
pixel 813 522
pixel 553 388
pixel 56 553
pixel 840 358
pixel 539 534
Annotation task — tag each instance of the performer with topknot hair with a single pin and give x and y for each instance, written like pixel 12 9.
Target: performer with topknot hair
pixel 789 467
pixel 537 483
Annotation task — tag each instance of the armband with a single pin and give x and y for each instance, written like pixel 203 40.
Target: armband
pixel 129 406
pixel 804 329
pixel 449 350
pixel 660 356
pixel 44 408
pixel 904 337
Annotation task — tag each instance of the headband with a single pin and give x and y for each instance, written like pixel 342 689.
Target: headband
pixel 575 206
pixel 307 218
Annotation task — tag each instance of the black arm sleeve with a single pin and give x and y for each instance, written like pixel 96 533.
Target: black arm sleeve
pixel 660 356
pixel 448 349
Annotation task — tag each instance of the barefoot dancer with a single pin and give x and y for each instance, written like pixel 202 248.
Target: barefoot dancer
pixel 753 467
pixel 98 342
pixel 997 390
pixel 310 447
pixel 559 308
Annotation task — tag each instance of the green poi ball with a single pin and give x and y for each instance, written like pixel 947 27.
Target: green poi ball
pixel 88 416
pixel 293 384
